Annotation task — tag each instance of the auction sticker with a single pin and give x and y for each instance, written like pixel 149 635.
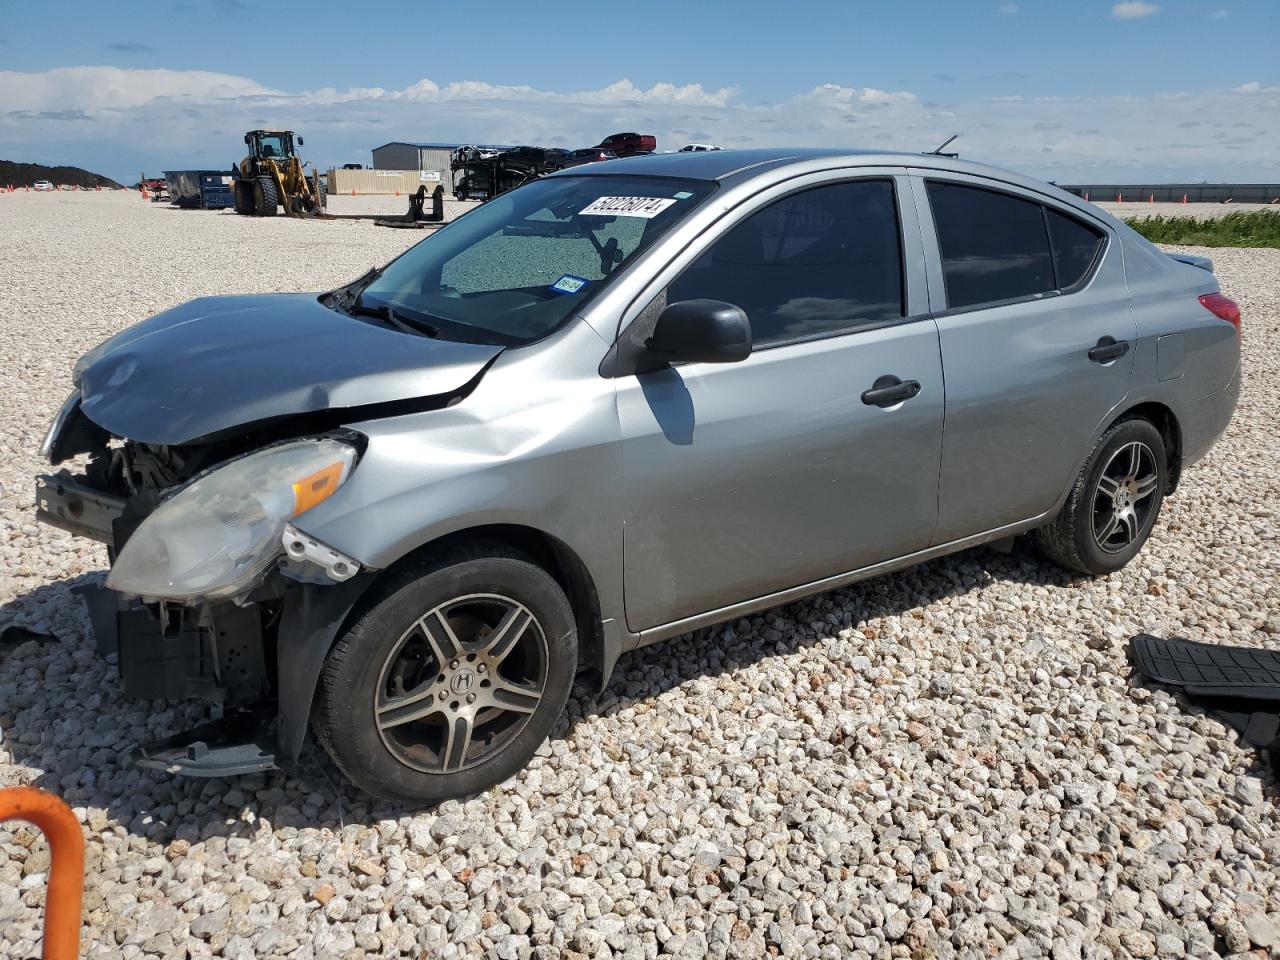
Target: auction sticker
pixel 569 284
pixel 645 207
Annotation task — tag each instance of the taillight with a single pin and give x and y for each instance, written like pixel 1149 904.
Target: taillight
pixel 1224 308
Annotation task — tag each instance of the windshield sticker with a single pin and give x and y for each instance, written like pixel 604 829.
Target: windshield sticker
pixel 645 207
pixel 683 195
pixel 569 284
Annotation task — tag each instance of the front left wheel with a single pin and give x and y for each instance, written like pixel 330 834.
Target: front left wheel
pixel 451 679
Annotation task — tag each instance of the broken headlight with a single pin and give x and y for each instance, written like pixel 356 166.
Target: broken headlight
pixel 217 535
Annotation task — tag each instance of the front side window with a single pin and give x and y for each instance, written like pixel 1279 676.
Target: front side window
pixel 822 261
pixel 994 246
pixel 512 270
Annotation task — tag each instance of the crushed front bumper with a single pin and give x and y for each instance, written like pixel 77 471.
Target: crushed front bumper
pixel 259 658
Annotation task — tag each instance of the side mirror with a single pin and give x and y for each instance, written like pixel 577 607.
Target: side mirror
pixel 247 138
pixel 299 141
pixel 701 331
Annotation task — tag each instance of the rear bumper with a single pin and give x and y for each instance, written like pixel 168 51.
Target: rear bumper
pixel 1205 420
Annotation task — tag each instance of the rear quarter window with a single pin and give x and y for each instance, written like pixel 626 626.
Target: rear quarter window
pixel 1075 248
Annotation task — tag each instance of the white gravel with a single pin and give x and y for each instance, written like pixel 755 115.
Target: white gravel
pixel 951 761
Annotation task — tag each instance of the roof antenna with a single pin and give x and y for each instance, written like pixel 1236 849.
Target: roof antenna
pixel 938 152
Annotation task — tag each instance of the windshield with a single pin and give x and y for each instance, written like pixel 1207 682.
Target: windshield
pixel 273 145
pixel 513 270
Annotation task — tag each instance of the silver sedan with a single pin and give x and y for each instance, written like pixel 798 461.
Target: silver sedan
pixel 609 407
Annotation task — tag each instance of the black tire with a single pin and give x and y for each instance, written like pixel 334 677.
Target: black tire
pixel 242 193
pixel 265 199
pixel 1078 538
pixel 386 660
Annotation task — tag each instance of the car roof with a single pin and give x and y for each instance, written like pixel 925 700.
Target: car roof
pixel 734 164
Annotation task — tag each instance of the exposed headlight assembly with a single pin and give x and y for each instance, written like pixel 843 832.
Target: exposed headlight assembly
pixel 217 535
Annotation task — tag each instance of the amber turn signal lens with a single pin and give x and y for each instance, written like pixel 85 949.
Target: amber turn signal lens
pixel 317 487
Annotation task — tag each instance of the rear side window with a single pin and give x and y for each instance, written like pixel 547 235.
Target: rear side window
pixel 994 246
pixel 823 261
pixel 1075 247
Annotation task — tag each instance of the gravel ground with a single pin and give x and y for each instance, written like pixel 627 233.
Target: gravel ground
pixel 949 761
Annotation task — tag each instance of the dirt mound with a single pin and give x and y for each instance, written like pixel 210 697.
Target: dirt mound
pixel 26 174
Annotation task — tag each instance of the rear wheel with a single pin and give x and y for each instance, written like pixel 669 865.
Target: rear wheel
pixel 265 198
pixel 451 680
pixel 242 194
pixel 1114 503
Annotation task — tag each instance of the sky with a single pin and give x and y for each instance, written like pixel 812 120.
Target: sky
pixel 1066 90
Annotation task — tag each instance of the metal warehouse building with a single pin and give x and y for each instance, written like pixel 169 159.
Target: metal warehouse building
pixel 415 156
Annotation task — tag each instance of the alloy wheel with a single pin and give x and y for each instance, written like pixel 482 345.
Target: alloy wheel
pixel 460 683
pixel 1124 497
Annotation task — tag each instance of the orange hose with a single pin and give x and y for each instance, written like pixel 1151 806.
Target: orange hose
pixel 66 874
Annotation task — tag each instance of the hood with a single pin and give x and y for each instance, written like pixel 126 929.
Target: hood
pixel 220 364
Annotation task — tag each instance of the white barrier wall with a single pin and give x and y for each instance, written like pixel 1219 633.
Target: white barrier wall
pixel 365 182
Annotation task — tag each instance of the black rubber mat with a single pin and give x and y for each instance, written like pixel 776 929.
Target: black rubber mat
pixel 1208 669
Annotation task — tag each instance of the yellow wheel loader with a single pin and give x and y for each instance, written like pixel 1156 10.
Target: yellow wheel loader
pixel 271 177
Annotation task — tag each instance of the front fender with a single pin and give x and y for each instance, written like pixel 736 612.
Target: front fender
pixel 532 446
pixel 312 616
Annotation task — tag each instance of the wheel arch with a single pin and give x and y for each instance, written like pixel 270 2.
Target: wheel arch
pixel 550 553
pixel 317 615
pixel 1166 421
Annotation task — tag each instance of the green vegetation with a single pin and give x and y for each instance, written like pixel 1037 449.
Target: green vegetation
pixel 1258 229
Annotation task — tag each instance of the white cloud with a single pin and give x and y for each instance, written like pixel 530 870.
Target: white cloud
pixel 1009 9
pixel 119 121
pixel 117 88
pixel 1253 86
pixel 1133 10
pixel 1220 14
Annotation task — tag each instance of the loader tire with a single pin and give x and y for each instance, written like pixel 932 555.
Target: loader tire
pixel 242 193
pixel 265 200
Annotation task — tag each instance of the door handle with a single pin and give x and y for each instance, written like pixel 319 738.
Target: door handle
pixel 889 390
pixel 1108 349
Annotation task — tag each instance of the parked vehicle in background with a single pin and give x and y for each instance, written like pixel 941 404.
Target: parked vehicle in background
pixel 42 185
pixel 777 371
pixel 698 148
pixel 353 166
pixel 629 144
pixel 481 173
pixel 590 155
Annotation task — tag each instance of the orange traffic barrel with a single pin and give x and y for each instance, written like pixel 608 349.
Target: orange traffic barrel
pixel 66 872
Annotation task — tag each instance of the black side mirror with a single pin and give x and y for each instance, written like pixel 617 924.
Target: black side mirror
pixel 299 141
pixel 247 138
pixel 701 331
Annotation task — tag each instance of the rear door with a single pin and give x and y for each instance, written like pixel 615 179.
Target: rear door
pixel 744 479
pixel 1037 338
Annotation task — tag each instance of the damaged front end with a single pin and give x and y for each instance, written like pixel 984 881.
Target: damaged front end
pixel 213 592
pixel 205 431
